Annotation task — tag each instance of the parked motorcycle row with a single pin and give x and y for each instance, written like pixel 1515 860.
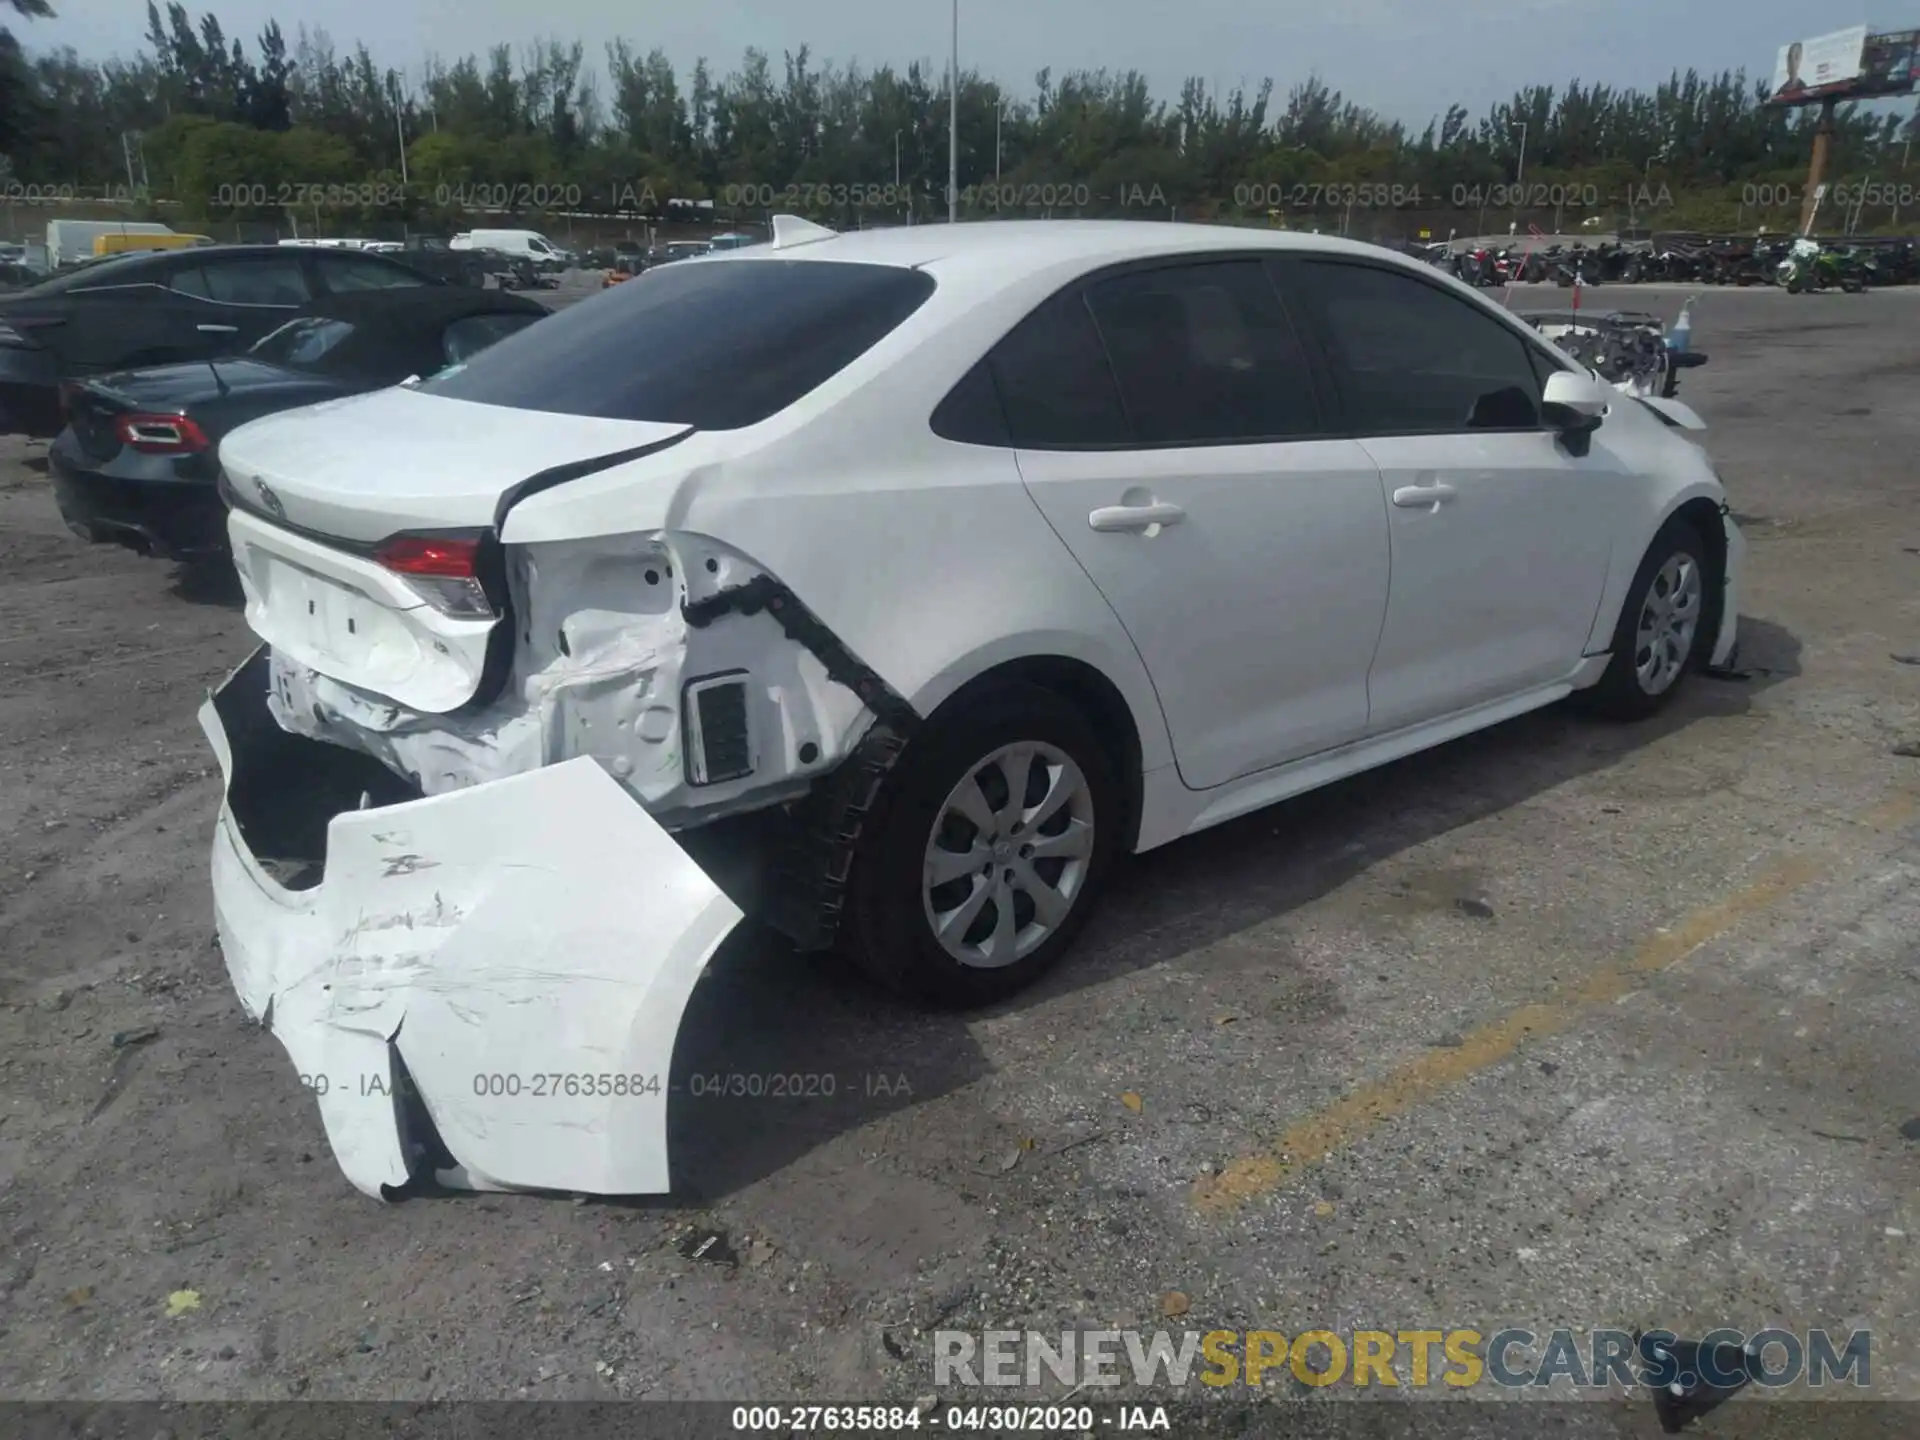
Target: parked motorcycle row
pixel 1795 264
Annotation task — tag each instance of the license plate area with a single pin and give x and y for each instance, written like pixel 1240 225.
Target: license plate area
pixel 336 610
pixel 334 620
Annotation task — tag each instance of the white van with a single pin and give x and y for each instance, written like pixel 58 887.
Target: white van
pixel 526 244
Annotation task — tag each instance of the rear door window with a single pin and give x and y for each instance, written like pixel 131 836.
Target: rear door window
pixel 716 346
pixel 1056 386
pixel 343 273
pixel 1205 355
pixel 269 281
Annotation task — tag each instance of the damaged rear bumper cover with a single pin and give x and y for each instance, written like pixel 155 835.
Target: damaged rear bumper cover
pixel 484 986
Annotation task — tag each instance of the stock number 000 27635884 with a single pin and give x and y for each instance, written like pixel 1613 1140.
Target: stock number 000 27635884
pixel 1277 195
pixel 766 197
pixel 287 193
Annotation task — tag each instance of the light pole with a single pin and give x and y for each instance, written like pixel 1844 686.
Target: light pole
pixel 1646 179
pixel 1905 155
pixel 953 122
pixel 999 112
pixel 896 160
pixel 1520 174
pixel 400 127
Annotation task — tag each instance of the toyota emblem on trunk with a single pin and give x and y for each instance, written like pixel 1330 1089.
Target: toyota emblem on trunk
pixel 268 498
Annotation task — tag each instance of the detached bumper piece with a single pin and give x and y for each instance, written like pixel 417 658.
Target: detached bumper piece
pixel 482 987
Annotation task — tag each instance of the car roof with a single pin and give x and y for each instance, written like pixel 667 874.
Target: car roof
pixel 985 257
pixel 1040 244
pixel 139 266
pixel 409 306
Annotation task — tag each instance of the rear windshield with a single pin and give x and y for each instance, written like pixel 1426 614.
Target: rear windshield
pixel 301 344
pixel 714 345
pixel 132 269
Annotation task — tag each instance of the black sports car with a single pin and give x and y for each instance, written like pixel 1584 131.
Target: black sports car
pixel 138 464
pixel 146 309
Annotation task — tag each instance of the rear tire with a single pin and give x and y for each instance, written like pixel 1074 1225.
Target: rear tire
pixel 1660 633
pixel 1019 878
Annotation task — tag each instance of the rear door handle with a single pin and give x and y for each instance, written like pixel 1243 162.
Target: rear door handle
pixel 1135 517
pixel 1423 497
pixel 218 329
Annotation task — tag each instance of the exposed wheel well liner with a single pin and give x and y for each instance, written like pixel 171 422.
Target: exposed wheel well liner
pixel 1099 702
pixel 1704 516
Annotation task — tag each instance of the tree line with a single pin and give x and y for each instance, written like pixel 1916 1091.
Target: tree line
pixel 231 131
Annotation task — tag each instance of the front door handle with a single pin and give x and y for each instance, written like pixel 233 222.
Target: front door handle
pixel 1135 517
pixel 218 329
pixel 1423 497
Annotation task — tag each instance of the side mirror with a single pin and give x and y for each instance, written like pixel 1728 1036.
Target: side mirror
pixel 1575 404
pixel 1576 397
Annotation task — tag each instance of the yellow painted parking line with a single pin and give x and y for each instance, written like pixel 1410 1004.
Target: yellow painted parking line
pixel 1360 1111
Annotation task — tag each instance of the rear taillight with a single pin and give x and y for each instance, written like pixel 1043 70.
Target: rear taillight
pixel 445 572
pixel 161 434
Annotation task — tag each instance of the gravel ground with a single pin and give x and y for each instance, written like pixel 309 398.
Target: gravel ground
pixel 1560 1025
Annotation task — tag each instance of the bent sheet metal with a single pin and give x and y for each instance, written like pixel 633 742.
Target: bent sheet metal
pixel 508 962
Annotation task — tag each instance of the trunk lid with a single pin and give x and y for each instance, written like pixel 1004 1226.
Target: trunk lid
pixel 195 388
pixel 172 389
pixel 367 467
pixel 341 612
pixel 91 414
pixel 316 491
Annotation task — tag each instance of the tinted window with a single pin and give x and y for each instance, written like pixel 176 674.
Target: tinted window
pixel 190 282
pixel 468 337
pixel 270 281
pixel 1411 358
pixel 1055 384
pixel 1543 365
pixel 301 343
pixel 1204 353
pixel 345 272
pixel 716 346
pixel 971 412
pixel 100 271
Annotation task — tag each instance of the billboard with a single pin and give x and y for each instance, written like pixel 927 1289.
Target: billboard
pixel 1815 69
pixel 1890 63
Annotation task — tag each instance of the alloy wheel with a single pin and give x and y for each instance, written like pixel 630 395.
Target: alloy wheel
pixel 1669 621
pixel 1009 854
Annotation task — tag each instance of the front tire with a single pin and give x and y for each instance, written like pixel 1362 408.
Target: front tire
pixel 1659 635
pixel 995 833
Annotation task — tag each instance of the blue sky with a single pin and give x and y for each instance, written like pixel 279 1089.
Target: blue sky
pixel 1407 58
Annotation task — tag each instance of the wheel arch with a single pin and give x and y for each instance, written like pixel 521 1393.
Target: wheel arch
pixel 1702 506
pixel 1704 515
pixel 1098 699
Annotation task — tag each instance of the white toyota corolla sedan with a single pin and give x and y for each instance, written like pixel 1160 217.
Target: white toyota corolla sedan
pixel 950 564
